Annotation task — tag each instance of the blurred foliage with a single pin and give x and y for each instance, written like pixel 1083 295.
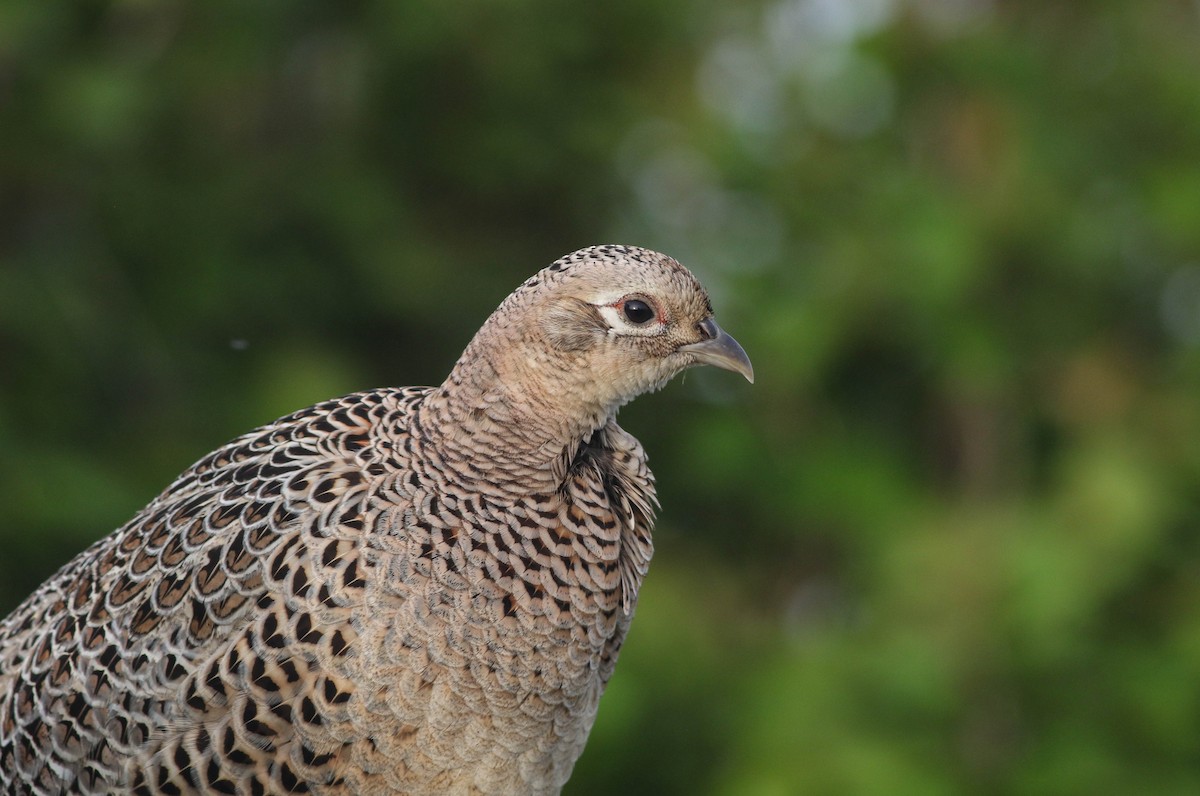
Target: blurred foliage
pixel 948 543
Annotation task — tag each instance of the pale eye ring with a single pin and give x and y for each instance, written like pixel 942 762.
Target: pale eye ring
pixel 637 312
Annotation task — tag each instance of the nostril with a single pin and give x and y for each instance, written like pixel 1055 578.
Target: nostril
pixel 707 328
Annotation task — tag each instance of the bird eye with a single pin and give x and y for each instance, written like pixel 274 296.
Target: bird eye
pixel 637 311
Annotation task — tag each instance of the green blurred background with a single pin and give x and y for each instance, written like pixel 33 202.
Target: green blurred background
pixel 948 543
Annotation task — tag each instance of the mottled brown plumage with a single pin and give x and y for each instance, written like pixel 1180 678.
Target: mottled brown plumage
pixel 417 591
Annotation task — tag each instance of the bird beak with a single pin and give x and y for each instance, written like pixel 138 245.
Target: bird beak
pixel 720 350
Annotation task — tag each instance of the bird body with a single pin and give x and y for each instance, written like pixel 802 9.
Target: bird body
pixel 411 590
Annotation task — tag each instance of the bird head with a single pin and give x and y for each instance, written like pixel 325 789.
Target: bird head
pixel 626 320
pixel 592 331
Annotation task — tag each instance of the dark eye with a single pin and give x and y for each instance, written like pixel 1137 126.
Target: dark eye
pixel 637 311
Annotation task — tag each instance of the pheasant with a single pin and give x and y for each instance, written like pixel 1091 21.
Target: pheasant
pixel 415 590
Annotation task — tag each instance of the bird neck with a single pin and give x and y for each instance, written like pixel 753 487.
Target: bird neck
pixel 498 421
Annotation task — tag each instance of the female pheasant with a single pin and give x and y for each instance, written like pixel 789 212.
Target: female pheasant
pixel 417 591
